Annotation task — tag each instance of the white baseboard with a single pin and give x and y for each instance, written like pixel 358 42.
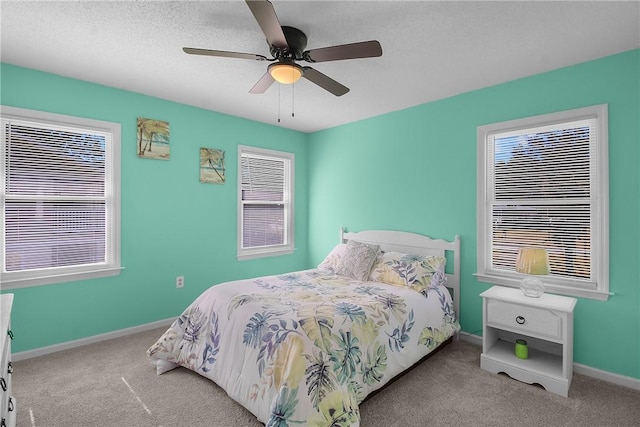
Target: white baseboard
pixel 578 368
pixel 470 338
pixel 610 377
pixel 90 340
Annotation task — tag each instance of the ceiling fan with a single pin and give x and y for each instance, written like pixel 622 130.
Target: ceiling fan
pixel 287 46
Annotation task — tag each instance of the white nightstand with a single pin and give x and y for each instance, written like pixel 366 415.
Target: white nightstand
pixel 546 323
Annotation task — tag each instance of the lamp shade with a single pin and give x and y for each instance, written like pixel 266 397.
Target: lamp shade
pixel 285 72
pixel 533 261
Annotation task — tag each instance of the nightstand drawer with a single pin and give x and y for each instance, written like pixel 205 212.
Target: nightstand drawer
pixel 529 320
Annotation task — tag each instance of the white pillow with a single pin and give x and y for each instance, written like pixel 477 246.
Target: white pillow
pixel 332 260
pixel 358 260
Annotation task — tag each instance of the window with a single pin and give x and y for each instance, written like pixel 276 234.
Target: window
pixel 60 197
pixel 265 202
pixel 543 182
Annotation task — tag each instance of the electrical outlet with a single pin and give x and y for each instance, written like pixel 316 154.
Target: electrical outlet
pixel 180 282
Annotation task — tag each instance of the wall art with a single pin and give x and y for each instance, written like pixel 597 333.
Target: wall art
pixel 153 139
pixel 211 165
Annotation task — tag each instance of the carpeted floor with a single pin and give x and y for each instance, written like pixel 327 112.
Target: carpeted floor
pixel 112 383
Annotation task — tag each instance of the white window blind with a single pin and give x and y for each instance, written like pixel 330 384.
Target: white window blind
pixel 544 186
pixel 58 201
pixel 265 202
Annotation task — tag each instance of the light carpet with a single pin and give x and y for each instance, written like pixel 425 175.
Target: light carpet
pixel 112 383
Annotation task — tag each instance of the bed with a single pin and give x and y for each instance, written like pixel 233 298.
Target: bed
pixel 307 347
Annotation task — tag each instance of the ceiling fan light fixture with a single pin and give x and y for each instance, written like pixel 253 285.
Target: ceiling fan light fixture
pixel 285 72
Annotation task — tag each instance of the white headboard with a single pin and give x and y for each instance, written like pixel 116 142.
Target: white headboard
pixel 418 244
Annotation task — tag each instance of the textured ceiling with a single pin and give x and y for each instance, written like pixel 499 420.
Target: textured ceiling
pixel 431 50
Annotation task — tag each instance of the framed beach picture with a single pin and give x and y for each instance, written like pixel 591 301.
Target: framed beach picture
pixel 211 165
pixel 153 139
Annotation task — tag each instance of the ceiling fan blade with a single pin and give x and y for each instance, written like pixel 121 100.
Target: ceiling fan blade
pixel 263 84
pixel 265 14
pixel 368 49
pixel 325 82
pixel 223 53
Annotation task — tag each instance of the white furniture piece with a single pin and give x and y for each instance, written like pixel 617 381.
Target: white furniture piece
pixel 7 401
pixel 546 323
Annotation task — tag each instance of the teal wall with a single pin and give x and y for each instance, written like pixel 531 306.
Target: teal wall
pixel 415 170
pixel 171 223
pixel 412 170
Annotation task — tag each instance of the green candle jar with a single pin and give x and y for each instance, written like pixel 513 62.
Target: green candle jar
pixel 522 351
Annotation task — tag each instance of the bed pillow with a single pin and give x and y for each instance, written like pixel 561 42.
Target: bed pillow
pixel 431 274
pixel 358 260
pixel 332 260
pixel 395 268
pixel 418 272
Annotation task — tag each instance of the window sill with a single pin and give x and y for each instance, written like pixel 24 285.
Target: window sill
pixel 246 255
pixel 549 288
pixel 17 282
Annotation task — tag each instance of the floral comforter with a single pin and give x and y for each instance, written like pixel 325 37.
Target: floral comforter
pixel 305 348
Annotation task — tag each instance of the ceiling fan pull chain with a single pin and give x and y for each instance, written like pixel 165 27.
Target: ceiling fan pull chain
pixel 293 100
pixel 279 103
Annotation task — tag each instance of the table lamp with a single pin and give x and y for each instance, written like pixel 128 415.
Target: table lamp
pixel 533 262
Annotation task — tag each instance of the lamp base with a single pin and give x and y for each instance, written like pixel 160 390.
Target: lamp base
pixel 532 287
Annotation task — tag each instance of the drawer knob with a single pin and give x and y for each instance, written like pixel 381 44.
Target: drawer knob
pixel 520 320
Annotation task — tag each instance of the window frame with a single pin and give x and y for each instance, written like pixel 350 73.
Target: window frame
pixel 289 176
pixel 598 287
pixel 53 275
